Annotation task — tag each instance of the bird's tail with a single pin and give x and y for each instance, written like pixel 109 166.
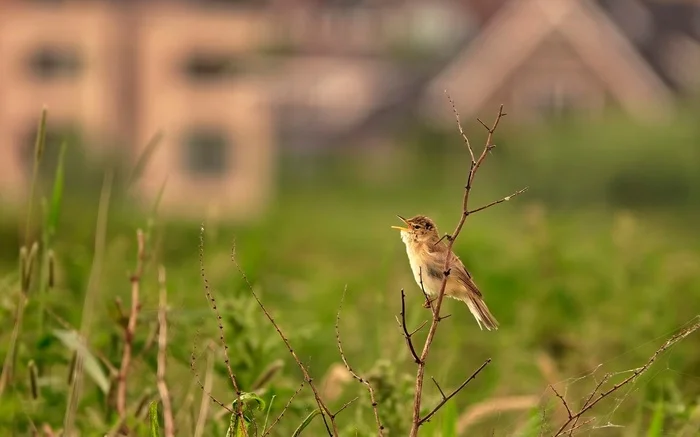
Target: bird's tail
pixel 481 312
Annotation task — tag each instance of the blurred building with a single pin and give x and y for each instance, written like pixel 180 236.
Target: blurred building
pixel 230 82
pixel 194 81
pixel 542 58
pixel 66 58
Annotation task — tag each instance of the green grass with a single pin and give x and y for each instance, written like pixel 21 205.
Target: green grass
pixel 577 277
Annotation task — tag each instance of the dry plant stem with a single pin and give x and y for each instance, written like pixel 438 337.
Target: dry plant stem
pixel 345 405
pixel 408 335
pixel 588 401
pixel 284 410
pixel 10 357
pixel 169 423
pixel 361 380
pixel 454 392
pixel 130 329
pixel 206 389
pixel 332 429
pixel 573 417
pixel 475 164
pixel 227 361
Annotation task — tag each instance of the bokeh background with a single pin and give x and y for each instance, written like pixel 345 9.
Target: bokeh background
pixel 300 129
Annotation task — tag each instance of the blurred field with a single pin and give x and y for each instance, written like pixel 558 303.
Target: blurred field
pixel 597 264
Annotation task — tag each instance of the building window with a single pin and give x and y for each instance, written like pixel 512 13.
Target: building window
pixel 554 102
pixel 47 62
pixel 210 67
pixel 206 152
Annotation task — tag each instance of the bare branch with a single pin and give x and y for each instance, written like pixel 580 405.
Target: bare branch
pixel 345 405
pixel 284 410
pixel 206 388
pixel 212 301
pixel 407 335
pixel 442 393
pixel 563 401
pixel 496 202
pixel 451 395
pixel 206 393
pixel 333 428
pixel 361 380
pixel 421 326
pixel 459 126
pixel 637 372
pixel 590 397
pixel 473 168
pixel 169 423
pixel 130 328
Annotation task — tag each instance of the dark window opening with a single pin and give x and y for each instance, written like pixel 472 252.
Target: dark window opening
pixel 210 67
pixel 48 63
pixel 554 103
pixel 206 152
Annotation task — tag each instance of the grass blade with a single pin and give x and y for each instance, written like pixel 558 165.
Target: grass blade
pixel 144 158
pixel 39 145
pixel 656 427
pixel 153 414
pixel 92 366
pixel 57 194
pixel 306 422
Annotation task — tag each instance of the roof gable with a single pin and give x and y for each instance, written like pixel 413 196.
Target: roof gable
pixel 521 26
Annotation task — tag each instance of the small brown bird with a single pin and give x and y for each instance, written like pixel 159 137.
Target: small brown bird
pixel 427 253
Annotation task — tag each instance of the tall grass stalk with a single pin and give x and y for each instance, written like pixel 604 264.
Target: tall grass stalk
pixel 89 302
pixel 26 263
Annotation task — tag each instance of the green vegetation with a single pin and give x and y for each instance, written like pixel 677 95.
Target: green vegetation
pixel 588 273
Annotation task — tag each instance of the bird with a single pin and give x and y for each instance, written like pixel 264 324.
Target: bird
pixel 426 255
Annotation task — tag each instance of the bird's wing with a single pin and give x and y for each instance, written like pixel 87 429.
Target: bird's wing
pixel 459 272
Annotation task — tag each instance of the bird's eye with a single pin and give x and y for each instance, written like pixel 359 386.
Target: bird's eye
pixel 416 226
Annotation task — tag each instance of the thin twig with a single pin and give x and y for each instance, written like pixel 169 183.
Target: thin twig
pixel 590 397
pixel 361 380
pixel 496 202
pixel 637 372
pixel 284 410
pixel 563 401
pixel 169 423
pixel 345 405
pixel 421 326
pixel 206 396
pixel 459 126
pixel 332 429
pixel 130 329
pixel 407 335
pixel 206 391
pixel 417 421
pixel 442 393
pixel 222 337
pixel 454 392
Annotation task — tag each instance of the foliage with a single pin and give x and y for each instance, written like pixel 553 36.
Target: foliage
pixel 575 279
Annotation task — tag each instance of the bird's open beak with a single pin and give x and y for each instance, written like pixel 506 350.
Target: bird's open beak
pixel 399 227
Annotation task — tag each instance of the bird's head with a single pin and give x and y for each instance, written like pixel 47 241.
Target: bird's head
pixel 418 229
